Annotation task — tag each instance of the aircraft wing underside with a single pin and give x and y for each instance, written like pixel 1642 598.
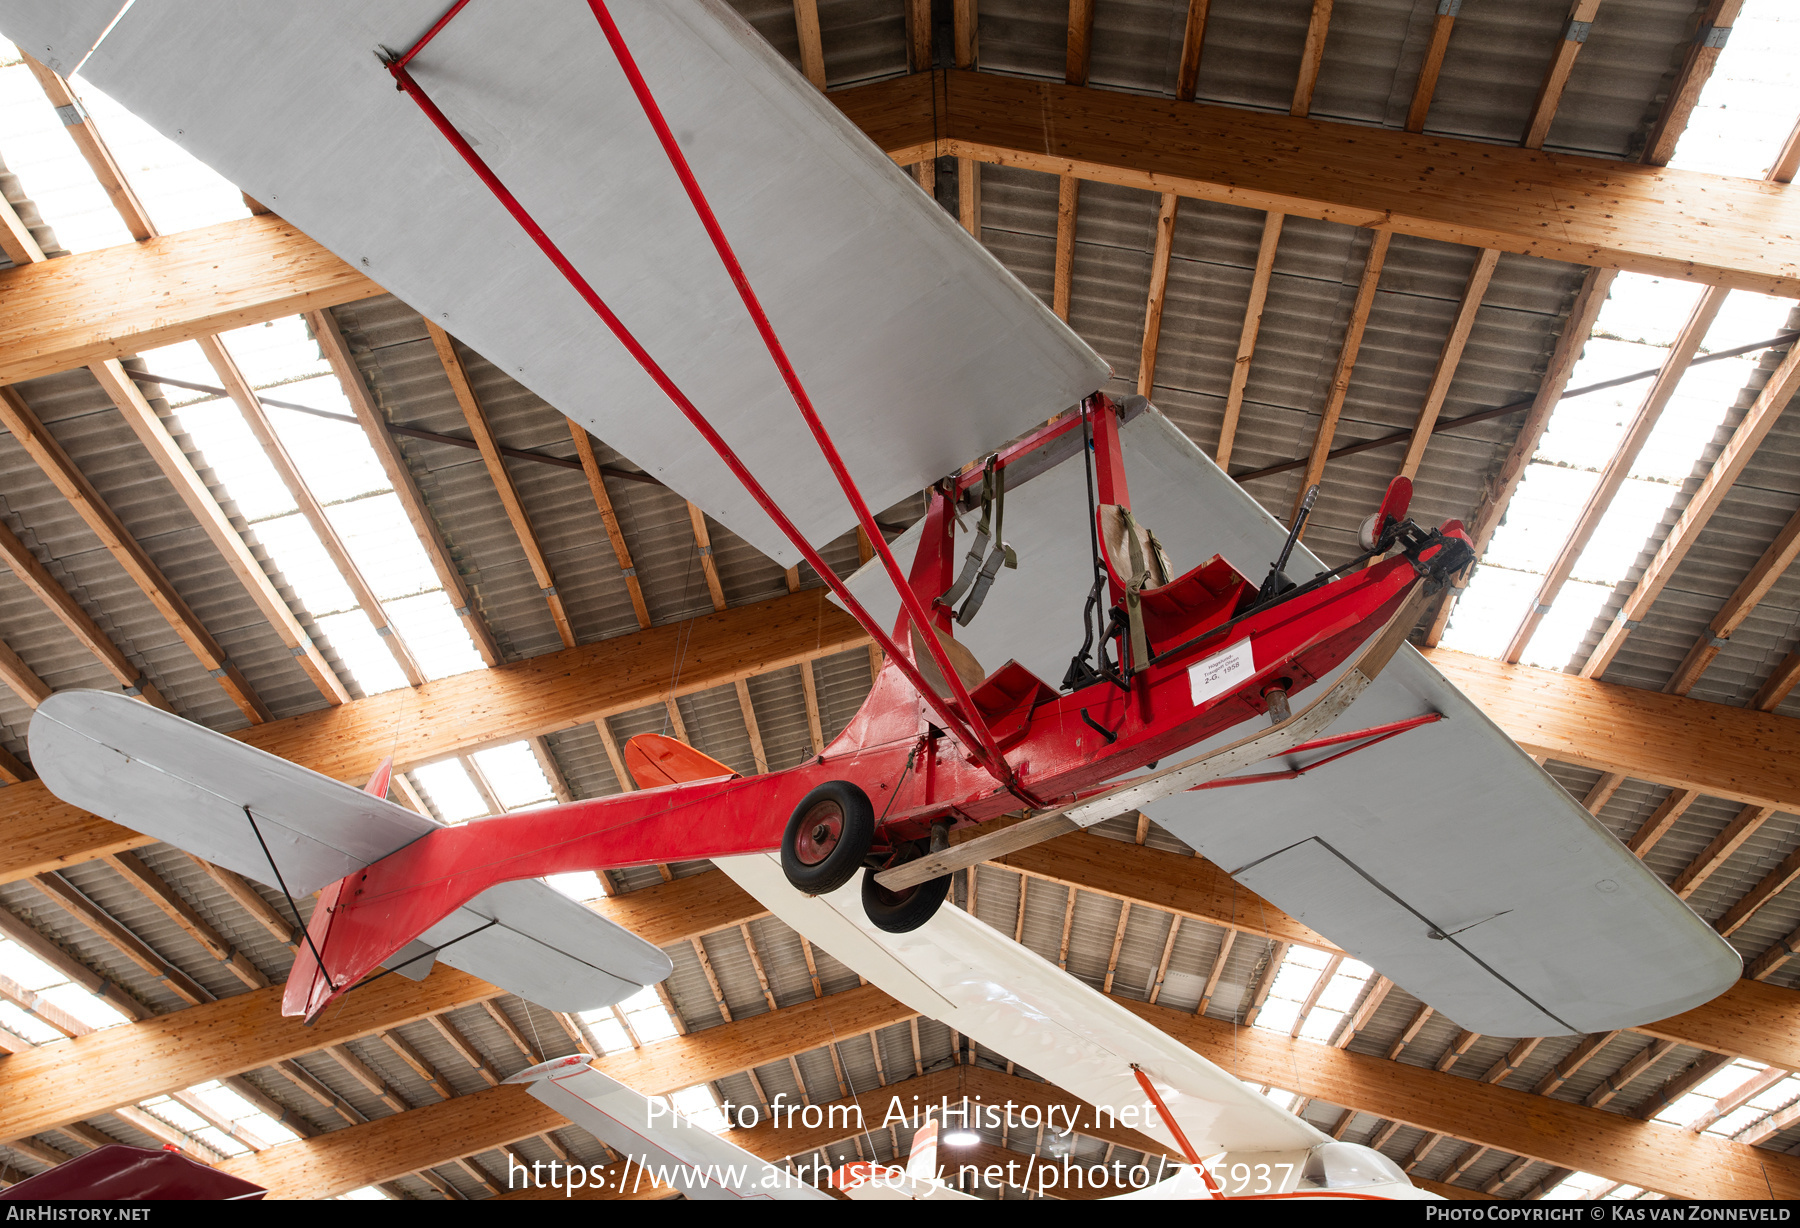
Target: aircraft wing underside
pixel 880 298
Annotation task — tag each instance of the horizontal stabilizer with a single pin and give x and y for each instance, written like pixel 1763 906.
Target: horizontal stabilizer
pixel 187 785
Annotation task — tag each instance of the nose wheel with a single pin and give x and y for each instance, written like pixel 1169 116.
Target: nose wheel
pixel 827 837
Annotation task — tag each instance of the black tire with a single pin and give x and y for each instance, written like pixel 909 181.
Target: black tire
pixel 901 912
pixel 827 837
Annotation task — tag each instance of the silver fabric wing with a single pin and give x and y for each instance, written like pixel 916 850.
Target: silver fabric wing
pixel 918 348
pixel 187 785
pixel 1426 833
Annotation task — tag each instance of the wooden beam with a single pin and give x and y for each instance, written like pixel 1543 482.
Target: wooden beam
pixel 1749 593
pixel 104 523
pixel 1689 225
pixel 118 301
pixel 86 136
pixel 546 694
pixel 1253 314
pixel 1433 63
pixel 1159 285
pixel 257 418
pixel 1068 195
pixel 1725 471
pixel 148 426
pixel 1696 68
pixel 1080 46
pixel 812 48
pixel 1449 358
pixel 703 543
pixel 1498 492
pixel 1556 77
pixel 22 681
pixel 36 577
pixel 590 465
pixel 1741 755
pixel 1681 354
pixel 476 417
pixel 399 474
pixel 170 903
pixel 1536 1127
pixel 71 900
pixel 1346 363
pixel 750 726
pixel 1767 888
pixel 1312 57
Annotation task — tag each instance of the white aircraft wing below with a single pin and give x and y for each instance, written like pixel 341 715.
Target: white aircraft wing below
pixel 956 970
pixel 656 1141
pixel 917 347
pixel 1418 836
pixel 187 785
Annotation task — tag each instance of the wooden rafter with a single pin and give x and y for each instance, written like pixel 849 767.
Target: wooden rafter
pixel 1497 496
pixel 1346 363
pixel 751 727
pixel 590 465
pixel 1433 63
pixel 1161 252
pixel 393 462
pixel 258 420
pixel 1449 358
pixel 1725 471
pixel 36 577
pixel 148 426
pixel 1682 352
pixel 476 417
pixel 1312 57
pixel 105 524
pixel 24 682
pixel 703 543
pixel 170 903
pixel 1556 76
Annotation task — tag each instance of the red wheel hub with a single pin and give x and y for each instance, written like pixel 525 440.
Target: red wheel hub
pixel 820 831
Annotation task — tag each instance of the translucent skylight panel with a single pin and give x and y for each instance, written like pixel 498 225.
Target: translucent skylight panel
pixel 183 360
pixel 649 1019
pixel 175 1113
pixel 1566 625
pixel 514 775
pixel 1490 610
pixel 1344 988
pixel 367 1193
pixel 438 640
pixel 579 885
pixel 276 352
pixel 1736 1121
pixel 39 150
pixel 1577 1185
pixel 1306 957
pixel 217 429
pixel 1281 1099
pixel 21 966
pixel 607 1030
pixel 1686 1110
pixel 1779 1096
pixel 334 457
pixel 83 1005
pixel 1278 1014
pixel 1320 1024
pixel 1691 418
pixel 307 568
pixel 1645 308
pixel 1727 1079
pixel 1623 531
pixel 30 1027
pixel 1543 511
pixel 1744 317
pixel 1623 1193
pixel 1750 101
pixel 700 1106
pixel 1585 431
pixel 450 790
pixel 1294 981
pixel 177 190
pixel 361 648
pixel 380 538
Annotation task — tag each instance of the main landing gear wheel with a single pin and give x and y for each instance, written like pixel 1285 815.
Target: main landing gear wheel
pixel 827 837
pixel 901 912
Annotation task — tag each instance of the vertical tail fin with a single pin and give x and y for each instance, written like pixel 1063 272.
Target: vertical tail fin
pixel 383 777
